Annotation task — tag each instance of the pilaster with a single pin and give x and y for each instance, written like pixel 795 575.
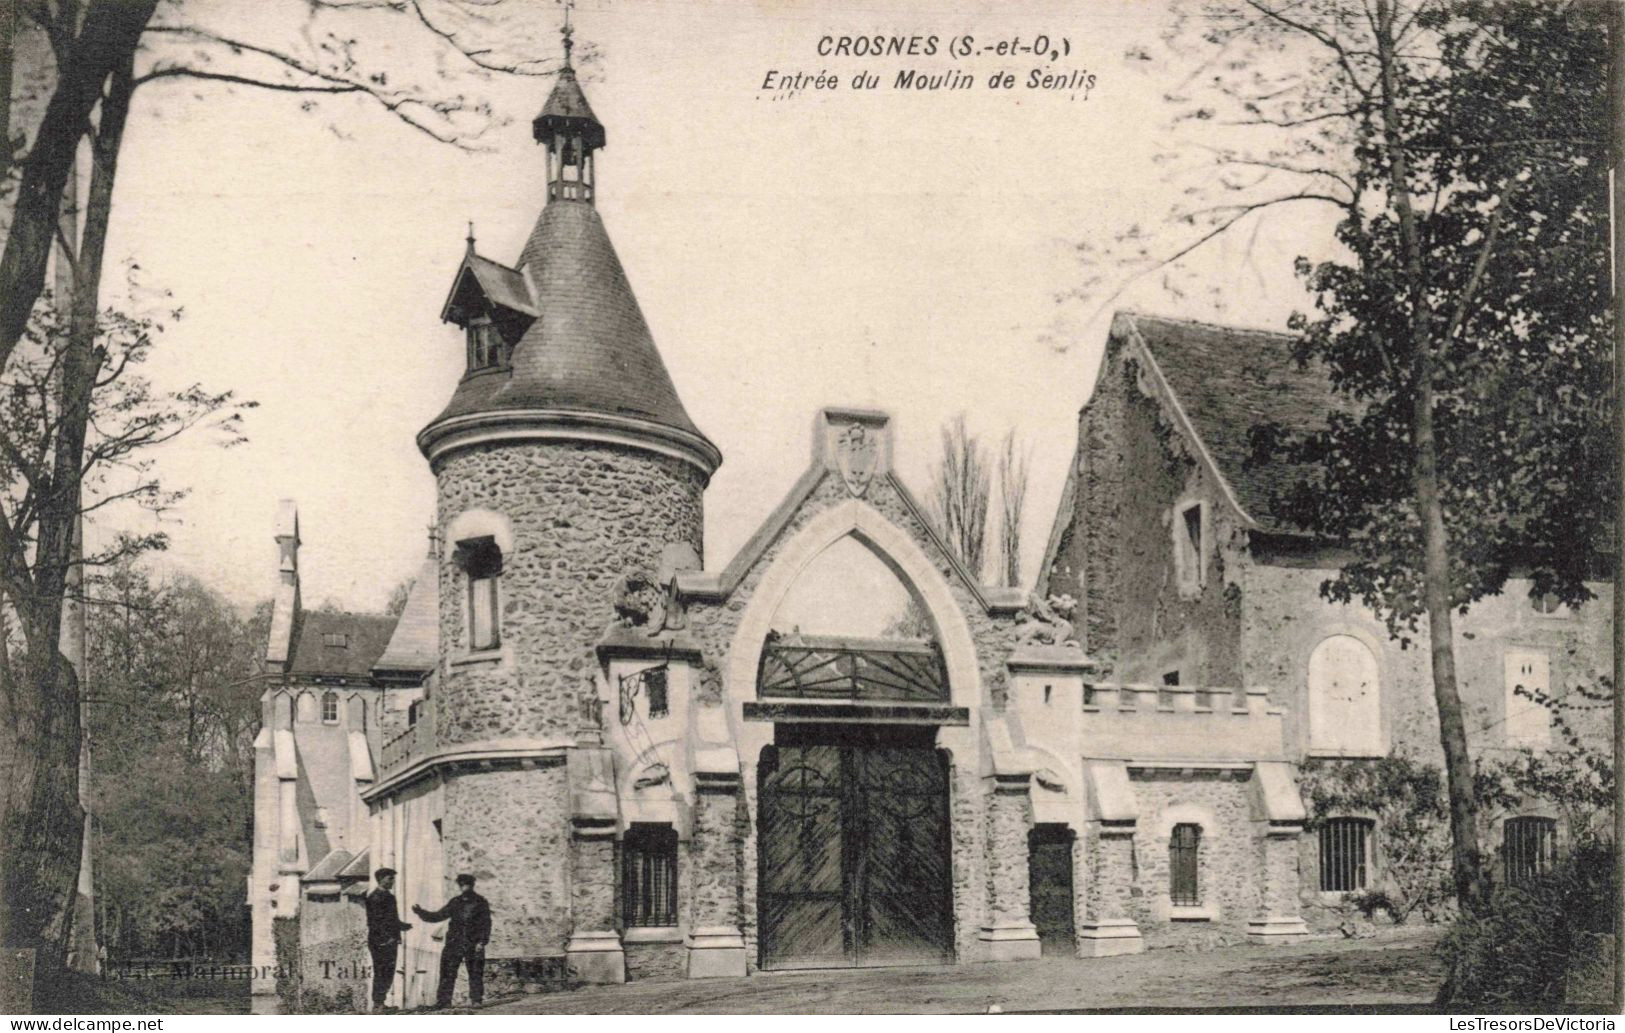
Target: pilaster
pixel 594 952
pixel 1009 933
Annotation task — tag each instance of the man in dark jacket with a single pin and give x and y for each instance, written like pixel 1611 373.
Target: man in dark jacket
pixel 466 937
pixel 384 928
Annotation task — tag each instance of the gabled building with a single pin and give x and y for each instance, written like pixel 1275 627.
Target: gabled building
pixel 1186 572
pixel 650 776
pixel 331 678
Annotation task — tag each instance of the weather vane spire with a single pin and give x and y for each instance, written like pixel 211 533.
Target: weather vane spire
pixel 568 32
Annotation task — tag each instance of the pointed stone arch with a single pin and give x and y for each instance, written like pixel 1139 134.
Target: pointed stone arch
pixel 894 547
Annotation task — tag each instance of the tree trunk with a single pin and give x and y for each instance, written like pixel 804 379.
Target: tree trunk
pixel 112 30
pixel 44 823
pixel 1467 863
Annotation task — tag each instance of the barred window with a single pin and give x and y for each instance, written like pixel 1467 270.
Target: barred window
pixel 649 876
pixel 1528 847
pixel 1344 854
pixel 330 708
pixel 1183 848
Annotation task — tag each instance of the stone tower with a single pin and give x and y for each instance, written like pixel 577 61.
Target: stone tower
pixel 564 461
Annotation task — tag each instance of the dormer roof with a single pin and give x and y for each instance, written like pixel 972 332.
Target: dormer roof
pixel 480 278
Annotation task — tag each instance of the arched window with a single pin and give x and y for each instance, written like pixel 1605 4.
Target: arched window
pixel 1528 847
pixel 1345 700
pixel 481 562
pixel 1345 854
pixel 1184 847
pixel 330 708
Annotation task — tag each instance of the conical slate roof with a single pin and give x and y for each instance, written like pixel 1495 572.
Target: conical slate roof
pixel 567 110
pixel 589 350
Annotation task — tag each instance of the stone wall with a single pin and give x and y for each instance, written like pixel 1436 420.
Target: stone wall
pixel 1284 618
pixel 335 967
pixel 510 829
pixel 656 961
pixel 1116 556
pixel 285 936
pixel 582 516
pixel 1228 860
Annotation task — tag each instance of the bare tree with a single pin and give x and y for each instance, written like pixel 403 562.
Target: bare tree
pixel 1013 465
pixel 960 485
pixel 97 57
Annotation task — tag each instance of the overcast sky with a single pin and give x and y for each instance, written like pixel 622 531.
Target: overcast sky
pixel 904 251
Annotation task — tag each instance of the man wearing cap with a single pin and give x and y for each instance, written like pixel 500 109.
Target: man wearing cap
pixel 384 928
pixel 466 937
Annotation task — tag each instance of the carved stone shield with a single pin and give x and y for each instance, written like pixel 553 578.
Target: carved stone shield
pixel 856 455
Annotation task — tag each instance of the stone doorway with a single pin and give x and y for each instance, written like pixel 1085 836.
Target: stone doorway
pixel 1049 879
pixel 854 848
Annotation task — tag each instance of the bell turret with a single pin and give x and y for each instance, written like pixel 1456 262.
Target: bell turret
pixel 571 133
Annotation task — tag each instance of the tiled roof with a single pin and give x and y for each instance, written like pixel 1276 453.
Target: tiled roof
pixel 364 634
pixel 567 108
pixel 590 349
pixel 357 868
pixel 1228 380
pixel 329 867
pixel 415 644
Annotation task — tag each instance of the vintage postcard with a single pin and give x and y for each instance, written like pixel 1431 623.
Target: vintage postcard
pixel 683 506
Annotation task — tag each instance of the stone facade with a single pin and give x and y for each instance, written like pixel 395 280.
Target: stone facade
pixel 576 518
pixel 1228 854
pixel 573 708
pixel 498 825
pixel 1157 440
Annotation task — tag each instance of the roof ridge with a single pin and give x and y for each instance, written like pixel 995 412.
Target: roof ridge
pixel 1206 324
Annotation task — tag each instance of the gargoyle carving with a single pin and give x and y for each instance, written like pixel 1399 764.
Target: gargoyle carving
pixel 1040 623
pixel 640 602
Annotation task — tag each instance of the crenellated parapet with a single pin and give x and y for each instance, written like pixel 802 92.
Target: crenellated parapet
pixel 1182 722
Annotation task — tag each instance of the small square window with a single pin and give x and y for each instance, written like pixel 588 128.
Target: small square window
pixel 1528 847
pixel 656 685
pixel 1344 857
pixel 336 640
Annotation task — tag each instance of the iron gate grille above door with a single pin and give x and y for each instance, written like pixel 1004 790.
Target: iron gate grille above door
pixel 825 667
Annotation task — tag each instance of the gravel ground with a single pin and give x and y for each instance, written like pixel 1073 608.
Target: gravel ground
pixel 1394 972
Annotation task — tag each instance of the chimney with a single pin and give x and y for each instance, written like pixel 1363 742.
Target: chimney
pixel 285 604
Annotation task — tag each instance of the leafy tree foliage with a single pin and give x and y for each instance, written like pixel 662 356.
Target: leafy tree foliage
pixel 70 71
pixel 172 724
pixel 1462 317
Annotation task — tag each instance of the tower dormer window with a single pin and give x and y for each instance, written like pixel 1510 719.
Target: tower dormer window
pixel 481 561
pixel 484 344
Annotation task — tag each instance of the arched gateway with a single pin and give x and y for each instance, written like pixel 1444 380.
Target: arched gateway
pixel 645 779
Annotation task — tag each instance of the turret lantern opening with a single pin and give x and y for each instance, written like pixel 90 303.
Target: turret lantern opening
pixel 570 133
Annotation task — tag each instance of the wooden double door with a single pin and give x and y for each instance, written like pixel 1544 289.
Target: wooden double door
pixel 853 846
